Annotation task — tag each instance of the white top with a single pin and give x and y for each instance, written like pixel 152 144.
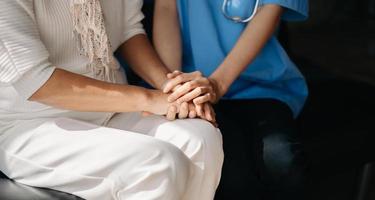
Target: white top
pixel 36 36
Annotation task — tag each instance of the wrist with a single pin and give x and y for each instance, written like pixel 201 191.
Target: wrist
pixel 154 101
pixel 147 101
pixel 219 86
pixel 161 77
pixel 162 82
pixel 129 98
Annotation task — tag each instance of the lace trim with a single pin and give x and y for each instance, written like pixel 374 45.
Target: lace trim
pixel 92 38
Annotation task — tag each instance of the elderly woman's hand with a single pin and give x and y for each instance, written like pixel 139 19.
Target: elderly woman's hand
pixel 189 110
pixel 159 105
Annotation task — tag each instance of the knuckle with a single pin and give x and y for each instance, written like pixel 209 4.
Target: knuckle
pixel 172 96
pixel 198 73
pixel 168 84
pixel 200 100
pixel 173 109
pixel 189 84
pixel 179 78
pixel 199 89
pixel 194 83
pixel 182 99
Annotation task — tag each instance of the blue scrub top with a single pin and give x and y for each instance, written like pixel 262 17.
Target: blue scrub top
pixel 208 37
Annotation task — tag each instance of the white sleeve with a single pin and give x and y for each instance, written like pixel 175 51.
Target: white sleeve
pixel 23 57
pixel 133 18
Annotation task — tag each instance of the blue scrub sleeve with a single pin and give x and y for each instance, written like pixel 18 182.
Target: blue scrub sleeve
pixel 295 10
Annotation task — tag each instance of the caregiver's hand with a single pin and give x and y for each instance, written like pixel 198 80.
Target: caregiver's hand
pixel 186 87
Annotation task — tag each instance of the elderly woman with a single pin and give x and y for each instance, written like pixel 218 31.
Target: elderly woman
pixel 69 122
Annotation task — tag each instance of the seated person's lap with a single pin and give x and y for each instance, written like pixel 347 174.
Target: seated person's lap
pixel 57 152
pixel 262 148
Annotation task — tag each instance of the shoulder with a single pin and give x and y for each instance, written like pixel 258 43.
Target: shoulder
pixel 293 9
pixel 12 8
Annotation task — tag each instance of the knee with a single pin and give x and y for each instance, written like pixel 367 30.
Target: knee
pixel 178 169
pixel 204 133
pixel 161 165
pixel 203 141
pixel 281 155
pixel 167 158
pixel 196 138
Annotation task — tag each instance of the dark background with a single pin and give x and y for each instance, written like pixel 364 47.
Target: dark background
pixel 339 37
pixel 335 50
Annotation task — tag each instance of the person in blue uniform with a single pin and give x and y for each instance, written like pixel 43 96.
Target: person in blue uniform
pixel 229 55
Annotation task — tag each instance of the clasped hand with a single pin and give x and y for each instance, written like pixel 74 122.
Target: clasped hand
pixel 192 94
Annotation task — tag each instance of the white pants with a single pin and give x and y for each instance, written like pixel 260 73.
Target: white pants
pixel 132 158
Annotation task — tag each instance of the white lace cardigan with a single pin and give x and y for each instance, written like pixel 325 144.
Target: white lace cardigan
pixel 36 36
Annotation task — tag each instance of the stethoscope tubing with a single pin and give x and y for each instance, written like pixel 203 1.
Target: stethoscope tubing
pixel 238 19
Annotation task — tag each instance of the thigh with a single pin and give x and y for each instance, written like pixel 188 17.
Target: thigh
pixel 186 134
pixel 77 157
pixel 265 130
pixel 238 179
pixel 278 150
pixel 247 122
pixel 199 140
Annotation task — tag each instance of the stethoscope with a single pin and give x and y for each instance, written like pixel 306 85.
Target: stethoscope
pixel 238 19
